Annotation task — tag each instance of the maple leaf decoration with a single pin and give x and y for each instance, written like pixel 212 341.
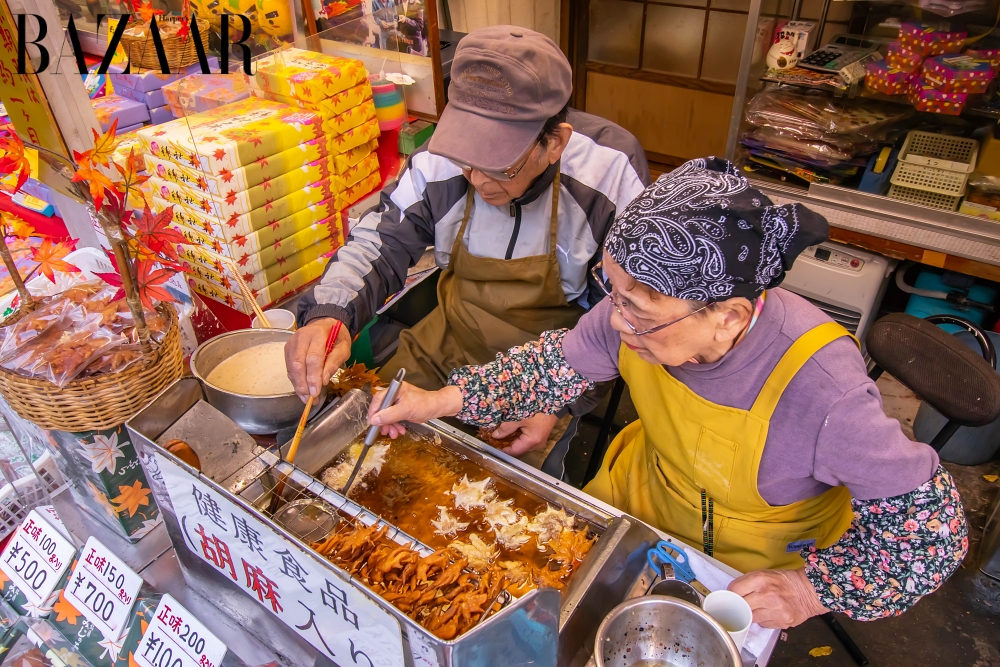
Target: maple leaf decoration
pixel 154 232
pixel 146 11
pixel 150 282
pixel 113 279
pixel 219 153
pixel 65 611
pixel 13 225
pixel 231 197
pixel 133 182
pixel 226 175
pixel 50 258
pixel 13 160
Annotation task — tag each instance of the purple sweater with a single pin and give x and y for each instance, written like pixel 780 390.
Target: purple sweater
pixel 828 429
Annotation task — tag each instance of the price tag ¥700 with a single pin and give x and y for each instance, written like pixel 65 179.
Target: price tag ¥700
pixel 36 557
pixel 103 589
pixel 175 638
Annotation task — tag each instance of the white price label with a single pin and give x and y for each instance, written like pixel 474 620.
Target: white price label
pixel 175 638
pixel 103 589
pixel 35 557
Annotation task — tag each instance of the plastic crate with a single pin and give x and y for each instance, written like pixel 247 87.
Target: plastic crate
pixel 941 151
pixel 923 198
pixel 930 179
pixel 25 494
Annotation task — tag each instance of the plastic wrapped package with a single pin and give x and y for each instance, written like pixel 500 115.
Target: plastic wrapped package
pixel 817 115
pixel 812 151
pixel 928 41
pixel 888 80
pixel 114 361
pixel 958 74
pixel 931 100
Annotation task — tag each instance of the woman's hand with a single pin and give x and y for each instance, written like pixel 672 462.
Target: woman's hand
pixel 534 433
pixel 779 598
pixel 415 405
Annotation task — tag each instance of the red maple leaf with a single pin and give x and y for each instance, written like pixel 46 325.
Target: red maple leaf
pixel 216 246
pixel 184 30
pixel 282 260
pixel 268 204
pixel 14 160
pixel 219 154
pixel 150 283
pixel 202 183
pixel 284 278
pixel 229 301
pixel 266 183
pixel 226 175
pixel 226 283
pixel 209 139
pixel 274 224
pixel 263 161
pixel 159 133
pixel 50 259
pixel 205 206
pixel 256 140
pixel 243 260
pixel 233 220
pixel 218 266
pixel 326 79
pixel 154 232
pixel 231 197
pixel 193 159
pixel 240 240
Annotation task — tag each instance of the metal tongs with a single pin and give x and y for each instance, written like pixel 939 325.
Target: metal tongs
pixel 390 398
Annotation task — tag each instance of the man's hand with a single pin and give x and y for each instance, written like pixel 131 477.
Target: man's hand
pixel 413 404
pixel 534 433
pixel 304 356
pixel 779 598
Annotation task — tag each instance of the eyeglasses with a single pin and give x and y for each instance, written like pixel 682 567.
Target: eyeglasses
pixel 595 273
pixel 505 176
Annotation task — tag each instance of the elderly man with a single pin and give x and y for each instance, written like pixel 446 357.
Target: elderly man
pixel 515 193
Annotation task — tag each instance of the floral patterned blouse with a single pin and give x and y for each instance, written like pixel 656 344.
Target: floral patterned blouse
pixel 896 551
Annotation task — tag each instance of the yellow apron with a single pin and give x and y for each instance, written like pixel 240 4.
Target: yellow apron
pixel 485 305
pixel 684 449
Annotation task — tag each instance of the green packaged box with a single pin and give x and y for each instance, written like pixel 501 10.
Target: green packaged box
pixel 84 638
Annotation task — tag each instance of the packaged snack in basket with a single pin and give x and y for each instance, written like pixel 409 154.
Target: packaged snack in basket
pixel 927 41
pixel 958 74
pixel 327 108
pixel 901 58
pixel 926 98
pixel 307 75
pixel 31 326
pixel 201 92
pixel 234 135
pixel 886 79
pixel 115 360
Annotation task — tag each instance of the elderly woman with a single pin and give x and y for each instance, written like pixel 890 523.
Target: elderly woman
pixel 760 437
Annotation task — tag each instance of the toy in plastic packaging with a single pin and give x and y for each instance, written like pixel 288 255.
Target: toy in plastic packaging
pixel 816 115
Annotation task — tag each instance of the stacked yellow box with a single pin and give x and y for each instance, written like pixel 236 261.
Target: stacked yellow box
pixel 261 186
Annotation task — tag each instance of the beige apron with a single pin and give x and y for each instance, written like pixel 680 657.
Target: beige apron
pixel 485 305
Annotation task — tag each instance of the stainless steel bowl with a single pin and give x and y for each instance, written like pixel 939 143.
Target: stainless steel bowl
pixel 257 415
pixel 657 630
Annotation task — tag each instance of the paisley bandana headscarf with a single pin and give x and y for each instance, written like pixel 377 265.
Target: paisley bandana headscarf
pixel 703 233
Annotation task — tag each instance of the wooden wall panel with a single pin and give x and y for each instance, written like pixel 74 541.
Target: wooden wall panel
pixel 540 15
pixel 665 119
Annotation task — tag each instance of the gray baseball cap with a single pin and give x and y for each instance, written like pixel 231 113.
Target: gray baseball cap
pixel 506 82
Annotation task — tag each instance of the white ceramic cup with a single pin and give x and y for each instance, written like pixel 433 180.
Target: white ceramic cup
pixel 278 318
pixel 732 612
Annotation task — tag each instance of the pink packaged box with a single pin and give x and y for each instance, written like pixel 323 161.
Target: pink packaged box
pixel 128 112
pixel 148 80
pixel 927 41
pixel 958 74
pixel 993 55
pixel 888 80
pixel 926 98
pixel 201 92
pixel 161 115
pixel 152 99
pixel 901 58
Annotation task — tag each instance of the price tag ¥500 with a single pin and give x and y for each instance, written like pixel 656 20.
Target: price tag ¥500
pixel 35 557
pixel 175 638
pixel 103 589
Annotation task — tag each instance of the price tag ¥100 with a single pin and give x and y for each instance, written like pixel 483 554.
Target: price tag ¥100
pixel 175 638
pixel 36 557
pixel 103 589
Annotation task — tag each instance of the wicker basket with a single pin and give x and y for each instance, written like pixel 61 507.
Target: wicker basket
pixel 101 401
pixel 180 52
pixel 21 311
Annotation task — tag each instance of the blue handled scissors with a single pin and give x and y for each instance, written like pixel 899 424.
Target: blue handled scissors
pixel 670 553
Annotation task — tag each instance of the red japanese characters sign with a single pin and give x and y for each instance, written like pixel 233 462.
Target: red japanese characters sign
pixel 331 614
pixel 36 557
pixel 175 638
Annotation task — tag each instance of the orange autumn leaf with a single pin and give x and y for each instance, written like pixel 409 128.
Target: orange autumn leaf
pixel 150 281
pixel 131 659
pixel 131 498
pixel 13 160
pixel 146 11
pixel 65 611
pixel 131 185
pixel 50 256
pixel 3 579
pixel 104 148
pixel 97 181
pixel 13 225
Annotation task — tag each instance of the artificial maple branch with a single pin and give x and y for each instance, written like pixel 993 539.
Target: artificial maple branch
pixel 27 303
pixel 113 231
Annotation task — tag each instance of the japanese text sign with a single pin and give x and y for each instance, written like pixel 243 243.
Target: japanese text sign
pixel 336 618
pixel 175 638
pixel 36 557
pixel 103 589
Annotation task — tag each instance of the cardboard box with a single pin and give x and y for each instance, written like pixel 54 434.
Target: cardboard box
pixel 284 287
pixel 127 112
pixel 153 99
pixel 234 135
pixel 931 100
pixel 161 115
pixel 958 74
pixel 307 75
pixel 201 92
pixel 885 79
pixel 927 41
pixel 327 108
pixel 282 256
pixel 801 33
pixel 901 58
pixel 233 230
pixel 145 81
